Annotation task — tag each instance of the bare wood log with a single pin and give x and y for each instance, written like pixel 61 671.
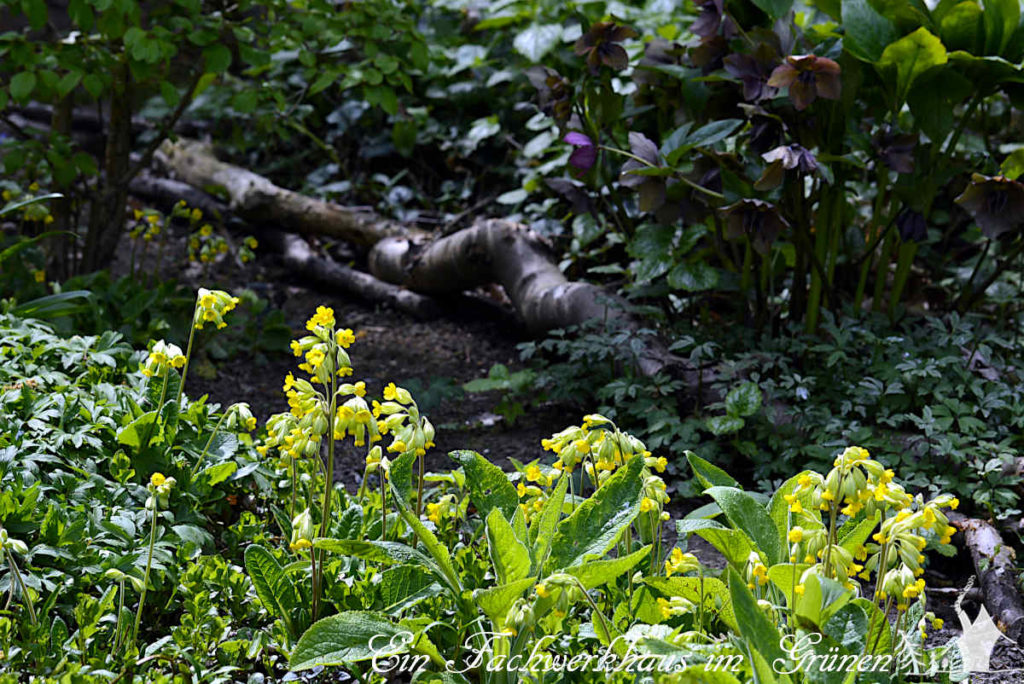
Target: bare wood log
pixel 489 251
pixel 295 252
pixel 257 199
pixel 994 564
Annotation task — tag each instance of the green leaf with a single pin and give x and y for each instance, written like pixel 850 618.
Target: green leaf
pixel 217 57
pixel 695 276
pixel 933 97
pixel 69 82
pixel 55 305
pixel 707 474
pixel 489 487
pixel 848 627
pixel 596 573
pixel 735 545
pixel 746 514
pixel 866 32
pixel 537 40
pixel 763 636
pixel 495 601
pixel 134 432
pixel 595 525
pixel 711 590
pixel 399 583
pixel 909 57
pixel 778 507
pixel 542 527
pixel 438 552
pixel 724 425
pixel 220 472
pixel 774 8
pixel 36 12
pixel 511 559
pixel 1001 20
pixel 22 85
pixel 348 638
pixel 386 552
pixel 743 400
pixel 1013 166
pixel 852 536
pixel 960 25
pixel 273 586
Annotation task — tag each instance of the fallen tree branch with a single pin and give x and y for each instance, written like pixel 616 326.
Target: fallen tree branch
pixel 295 252
pixel 994 564
pixel 489 251
pixel 260 201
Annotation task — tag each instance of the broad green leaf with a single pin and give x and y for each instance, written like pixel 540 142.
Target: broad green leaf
pixel 707 474
pixel 774 8
pixel 596 573
pixel 348 638
pixel 852 536
pixel 960 25
pixel 724 425
pixel 743 400
pixel 595 525
pixel 386 552
pixel 746 514
pixel 735 545
pixel 695 276
pixel 848 627
pixel 22 85
pixel 273 586
pixel 495 601
pixel 134 432
pixel 933 97
pixel 753 625
pixel 400 476
pixel 866 32
pixel 543 525
pixel 510 557
pixel 220 472
pixel 1013 166
pixel 878 631
pixel 711 590
pixel 436 549
pixel 686 527
pixel 489 486
pixel 537 40
pixel 786 576
pixel 401 582
pixel 218 58
pixel 909 57
pixel 1001 19
pixel 778 508
pixel 821 599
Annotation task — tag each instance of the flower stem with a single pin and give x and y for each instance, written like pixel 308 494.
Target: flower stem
pixel 188 354
pixel 145 578
pixel 21 587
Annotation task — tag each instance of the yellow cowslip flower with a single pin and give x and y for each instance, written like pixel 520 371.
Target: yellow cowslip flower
pixel 794 503
pixel 796 535
pixel 324 317
pixel 679 562
pixel 33 187
pixel 344 338
pixel 533 474
pixel 798 590
pixel 212 306
pixel 251 242
pixel 162 357
pixel 40 276
pixel 206 230
pixel 157 479
pixel 197 215
pixel 647 505
pixel 542 591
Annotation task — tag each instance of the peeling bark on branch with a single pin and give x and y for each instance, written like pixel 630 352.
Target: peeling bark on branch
pixel 997 574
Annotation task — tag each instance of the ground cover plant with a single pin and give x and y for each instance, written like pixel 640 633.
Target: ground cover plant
pixel 763 257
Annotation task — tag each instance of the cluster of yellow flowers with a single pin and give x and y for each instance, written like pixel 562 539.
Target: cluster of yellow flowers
pixel 212 306
pixel 148 224
pixel 302 532
pixel 324 350
pixel 855 484
pixel 444 507
pixel 160 490
pixel 679 563
pixel 162 357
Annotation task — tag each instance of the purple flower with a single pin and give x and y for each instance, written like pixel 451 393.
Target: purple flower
pixel 995 202
pixel 710 18
pixel 896 151
pixel 758 220
pixel 651 189
pixel 584 153
pixel 912 226
pixel 601 45
pixel 753 71
pixel 808 77
pixel 782 159
pixel 553 91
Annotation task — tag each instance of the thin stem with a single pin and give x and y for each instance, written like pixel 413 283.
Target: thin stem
pixel 188 355
pixel 21 587
pixel 681 178
pixel 206 449
pixel 145 578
